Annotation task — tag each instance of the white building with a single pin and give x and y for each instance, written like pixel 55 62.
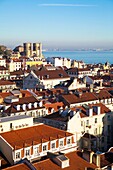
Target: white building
pixel 95 119
pixel 15 122
pixel 44 79
pixel 59 61
pixel 34 142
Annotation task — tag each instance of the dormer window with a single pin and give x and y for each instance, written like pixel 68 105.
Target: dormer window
pixel 29 105
pixel 61 75
pixel 47 76
pixel 44 147
pixel 69 140
pixel 18 155
pixel 36 150
pixel 61 142
pixel 53 145
pixel 27 152
pixel 24 106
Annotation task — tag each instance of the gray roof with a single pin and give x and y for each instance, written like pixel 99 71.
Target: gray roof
pixel 12 118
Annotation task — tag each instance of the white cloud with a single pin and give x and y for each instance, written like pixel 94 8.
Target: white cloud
pixel 67 5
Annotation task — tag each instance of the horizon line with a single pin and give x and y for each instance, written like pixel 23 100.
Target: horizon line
pixel 67 5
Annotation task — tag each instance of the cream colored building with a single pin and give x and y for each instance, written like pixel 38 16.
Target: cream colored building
pixel 44 79
pixel 15 122
pixel 2 62
pixel 58 61
pixel 34 142
pixel 15 65
pixel 95 119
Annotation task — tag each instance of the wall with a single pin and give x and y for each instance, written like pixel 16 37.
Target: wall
pixel 6 150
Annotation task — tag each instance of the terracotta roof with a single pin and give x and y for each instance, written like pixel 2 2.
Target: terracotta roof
pixel 3 68
pixel 26 100
pixel 103 94
pixel 95 77
pixel 26 136
pixel 18 167
pixel 103 109
pixel 51 74
pixel 83 113
pixel 6 82
pixel 75 163
pixel 85 97
pixel 5 94
pixel 12 110
pixel 55 106
pixel 25 93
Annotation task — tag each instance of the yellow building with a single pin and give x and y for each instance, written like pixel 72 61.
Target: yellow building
pixel 31 63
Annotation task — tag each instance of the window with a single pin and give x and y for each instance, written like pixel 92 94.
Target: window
pixel 81 123
pixel 87 131
pixel 36 150
pixel 95 120
pixel 108 128
pixel 61 143
pixel 44 147
pixel 53 145
pixel 102 139
pixel 69 141
pixel 27 152
pixel 108 139
pixel 108 117
pixel 17 155
pixel 87 122
pixel 95 131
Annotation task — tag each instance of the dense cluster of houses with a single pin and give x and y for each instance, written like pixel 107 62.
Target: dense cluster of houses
pixel 54 115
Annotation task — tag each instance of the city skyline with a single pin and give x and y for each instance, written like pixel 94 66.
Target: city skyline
pixel 57 24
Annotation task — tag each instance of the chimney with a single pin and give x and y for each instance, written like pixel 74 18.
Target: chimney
pixel 80 94
pixel 91 88
pixel 59 159
pixel 62 161
pixel 96 109
pixel 98 160
pixel 100 83
pixel 91 157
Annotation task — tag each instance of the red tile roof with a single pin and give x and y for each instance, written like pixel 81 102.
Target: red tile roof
pixel 6 82
pixel 51 74
pixel 18 167
pixel 85 97
pixel 75 163
pixel 18 138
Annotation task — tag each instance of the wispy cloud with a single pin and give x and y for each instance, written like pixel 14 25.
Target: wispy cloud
pixel 67 5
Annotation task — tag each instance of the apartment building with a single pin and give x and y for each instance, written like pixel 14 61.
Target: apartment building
pixel 45 79
pixel 15 64
pixel 6 85
pixel 2 62
pixel 34 142
pixel 94 119
pixel 58 61
pixel 4 73
pixel 15 122
pixel 23 106
pixel 79 72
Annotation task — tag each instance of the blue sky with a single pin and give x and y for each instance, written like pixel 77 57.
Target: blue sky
pixel 57 23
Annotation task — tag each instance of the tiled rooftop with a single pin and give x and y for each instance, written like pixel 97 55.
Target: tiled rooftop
pixel 38 134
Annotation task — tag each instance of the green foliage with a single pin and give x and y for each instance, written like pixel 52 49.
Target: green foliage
pixel 5 51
